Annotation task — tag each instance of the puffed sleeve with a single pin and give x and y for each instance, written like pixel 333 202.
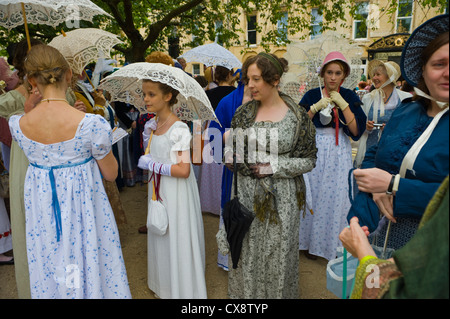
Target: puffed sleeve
pixel 180 137
pixel 101 137
pixel 13 124
pixel 11 103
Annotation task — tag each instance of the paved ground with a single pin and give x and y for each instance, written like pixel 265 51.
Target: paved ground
pixel 312 283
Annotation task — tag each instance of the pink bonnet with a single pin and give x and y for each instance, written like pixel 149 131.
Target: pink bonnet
pixel 335 56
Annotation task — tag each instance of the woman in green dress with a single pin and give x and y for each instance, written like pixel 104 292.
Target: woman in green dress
pixel 14 102
pixel 279 146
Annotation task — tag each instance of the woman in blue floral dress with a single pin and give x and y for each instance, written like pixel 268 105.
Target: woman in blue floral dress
pixel 73 244
pixel 328 181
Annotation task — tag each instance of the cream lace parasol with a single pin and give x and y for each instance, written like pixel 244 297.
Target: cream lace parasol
pixel 49 12
pixel 306 57
pixel 212 54
pixel 126 85
pixel 83 46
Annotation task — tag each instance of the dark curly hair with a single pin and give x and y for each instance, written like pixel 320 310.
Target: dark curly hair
pixel 269 71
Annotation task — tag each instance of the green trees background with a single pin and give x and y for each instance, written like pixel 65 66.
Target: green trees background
pixel 158 24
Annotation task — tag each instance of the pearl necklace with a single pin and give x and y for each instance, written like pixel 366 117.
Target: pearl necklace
pixel 162 125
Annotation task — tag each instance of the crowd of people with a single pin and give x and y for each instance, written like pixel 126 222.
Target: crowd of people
pixel 65 175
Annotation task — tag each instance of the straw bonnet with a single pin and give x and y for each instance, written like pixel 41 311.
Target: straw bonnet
pixel 392 69
pixel 411 62
pixel 332 57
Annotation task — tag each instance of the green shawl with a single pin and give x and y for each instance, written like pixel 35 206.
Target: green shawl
pixel 303 146
pixel 421 266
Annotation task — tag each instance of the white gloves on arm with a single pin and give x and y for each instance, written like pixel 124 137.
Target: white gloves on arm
pixel 150 126
pixel 147 163
pixel 323 103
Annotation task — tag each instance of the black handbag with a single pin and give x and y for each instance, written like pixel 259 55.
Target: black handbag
pixel 237 220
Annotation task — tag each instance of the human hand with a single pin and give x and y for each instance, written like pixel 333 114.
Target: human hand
pixel 99 99
pixel 372 180
pixel 323 103
pixel 369 125
pixel 80 106
pixel 261 170
pixel 354 239
pixel 228 158
pixel 385 204
pixel 339 100
pixel 150 126
pixel 144 161
pixel 34 97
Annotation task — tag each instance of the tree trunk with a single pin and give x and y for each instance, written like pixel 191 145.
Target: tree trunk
pixel 136 53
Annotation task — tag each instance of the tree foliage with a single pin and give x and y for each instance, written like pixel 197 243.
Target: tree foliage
pixel 158 24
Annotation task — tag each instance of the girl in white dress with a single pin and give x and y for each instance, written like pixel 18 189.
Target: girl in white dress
pixel 176 260
pixel 73 244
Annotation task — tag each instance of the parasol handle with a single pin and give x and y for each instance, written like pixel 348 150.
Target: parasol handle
pixel 320 86
pixel 27 33
pixel 147 151
pixel 87 76
pixel 386 238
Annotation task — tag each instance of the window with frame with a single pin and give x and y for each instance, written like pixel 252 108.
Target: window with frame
pixel 196 69
pixel 316 23
pixel 404 16
pixel 360 30
pixel 251 29
pixel 218 25
pixel 282 28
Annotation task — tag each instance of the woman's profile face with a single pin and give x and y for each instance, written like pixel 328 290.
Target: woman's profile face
pixel 259 88
pixel 435 74
pixel 333 76
pixel 155 100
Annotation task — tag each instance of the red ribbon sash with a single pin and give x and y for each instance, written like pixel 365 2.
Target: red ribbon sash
pixel 336 122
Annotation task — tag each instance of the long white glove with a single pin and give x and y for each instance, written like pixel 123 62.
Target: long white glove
pixel 147 163
pixel 148 128
pixel 320 105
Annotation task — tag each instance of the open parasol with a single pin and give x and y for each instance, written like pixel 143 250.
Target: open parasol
pixel 126 85
pixel 49 12
pixel 83 46
pixel 305 59
pixel 212 54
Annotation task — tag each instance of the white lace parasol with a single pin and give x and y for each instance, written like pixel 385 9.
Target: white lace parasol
pixel 83 46
pixel 126 85
pixel 212 54
pixel 306 57
pixel 49 12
